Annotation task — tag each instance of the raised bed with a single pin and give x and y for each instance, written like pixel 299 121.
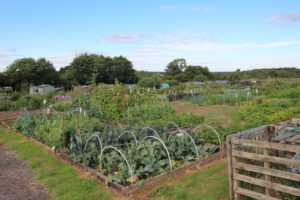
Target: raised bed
pixel 131 189
pixel 262 163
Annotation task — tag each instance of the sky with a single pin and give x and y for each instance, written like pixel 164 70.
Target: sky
pixel 223 35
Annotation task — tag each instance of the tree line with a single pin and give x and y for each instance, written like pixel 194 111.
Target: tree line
pixel 89 69
pixel 83 70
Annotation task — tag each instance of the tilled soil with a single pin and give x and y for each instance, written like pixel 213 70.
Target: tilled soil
pixel 16 180
pixel 9 115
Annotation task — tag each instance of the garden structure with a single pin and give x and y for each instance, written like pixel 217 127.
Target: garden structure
pixel 264 163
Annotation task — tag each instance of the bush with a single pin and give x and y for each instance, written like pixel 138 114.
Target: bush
pixel 62 106
pixel 149 82
pixel 182 119
pixel 150 112
pixel 114 101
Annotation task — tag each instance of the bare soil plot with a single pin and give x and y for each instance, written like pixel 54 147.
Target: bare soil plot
pixel 9 115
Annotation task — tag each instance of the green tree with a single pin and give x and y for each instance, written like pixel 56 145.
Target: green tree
pixel 234 77
pixel 198 73
pixel 26 72
pixel 176 66
pixel 67 77
pixel 122 70
pixel 153 81
pixel 100 69
pixel 4 80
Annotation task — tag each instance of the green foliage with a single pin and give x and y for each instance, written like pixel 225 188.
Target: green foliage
pixel 114 101
pixel 286 93
pixel 25 72
pixel 9 105
pixel 62 106
pixel 150 82
pixel 150 112
pixel 89 68
pixel 148 158
pixel 182 119
pixel 269 73
pixel 176 66
pixel 49 132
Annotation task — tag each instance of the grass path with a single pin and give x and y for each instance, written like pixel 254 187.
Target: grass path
pixel 61 180
pixel 210 183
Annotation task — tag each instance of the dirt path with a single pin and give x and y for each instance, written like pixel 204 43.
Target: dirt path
pixel 16 180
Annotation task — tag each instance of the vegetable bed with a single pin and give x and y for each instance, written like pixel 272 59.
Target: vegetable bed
pixel 121 156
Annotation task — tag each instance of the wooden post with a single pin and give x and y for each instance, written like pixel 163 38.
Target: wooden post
pixel 267 164
pixel 236 183
pixel 76 124
pixel 229 156
pixel 63 127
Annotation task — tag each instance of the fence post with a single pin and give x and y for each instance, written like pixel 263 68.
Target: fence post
pixel 267 165
pixel 229 157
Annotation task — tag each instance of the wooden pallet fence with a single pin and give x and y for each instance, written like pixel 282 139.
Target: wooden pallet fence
pixel 258 165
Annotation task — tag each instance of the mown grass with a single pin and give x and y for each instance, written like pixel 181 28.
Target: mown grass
pixel 208 184
pixel 60 180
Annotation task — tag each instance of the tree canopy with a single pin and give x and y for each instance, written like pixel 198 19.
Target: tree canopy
pixel 179 70
pixel 101 69
pixel 25 72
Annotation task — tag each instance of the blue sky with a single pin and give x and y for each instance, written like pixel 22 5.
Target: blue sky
pixel 221 34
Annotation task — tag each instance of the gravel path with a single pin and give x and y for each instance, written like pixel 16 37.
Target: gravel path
pixel 16 180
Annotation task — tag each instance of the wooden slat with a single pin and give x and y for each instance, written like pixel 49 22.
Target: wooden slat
pixel 297 141
pixel 294 138
pixel 267 184
pixel 261 157
pixel 284 136
pixel 271 172
pixel 254 195
pixel 266 145
pixel 230 168
pixel 250 133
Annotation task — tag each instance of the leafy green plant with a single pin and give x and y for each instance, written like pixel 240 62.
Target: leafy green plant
pixel 146 154
pixel 150 112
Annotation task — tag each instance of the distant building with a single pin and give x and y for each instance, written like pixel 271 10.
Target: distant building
pixel 6 89
pixel 130 85
pixel 42 89
pixel 218 82
pixel 81 88
pixel 194 83
pixel 62 99
pixel 249 81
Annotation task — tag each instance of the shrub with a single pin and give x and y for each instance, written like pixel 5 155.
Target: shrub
pixel 182 119
pixel 150 112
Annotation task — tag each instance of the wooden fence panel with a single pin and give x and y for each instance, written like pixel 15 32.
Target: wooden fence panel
pixel 255 167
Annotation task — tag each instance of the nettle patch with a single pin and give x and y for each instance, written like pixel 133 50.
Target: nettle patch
pixel 134 155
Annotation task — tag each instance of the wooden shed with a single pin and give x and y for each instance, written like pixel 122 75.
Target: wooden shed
pixel 41 89
pixel 264 163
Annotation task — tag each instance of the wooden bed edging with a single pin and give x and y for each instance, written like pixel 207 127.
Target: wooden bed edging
pixel 126 190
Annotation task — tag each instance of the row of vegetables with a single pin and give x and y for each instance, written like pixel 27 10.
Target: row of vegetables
pixel 126 154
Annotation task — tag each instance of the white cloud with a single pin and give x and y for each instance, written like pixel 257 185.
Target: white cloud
pixel 122 37
pixel 279 44
pixel 285 18
pixel 7 56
